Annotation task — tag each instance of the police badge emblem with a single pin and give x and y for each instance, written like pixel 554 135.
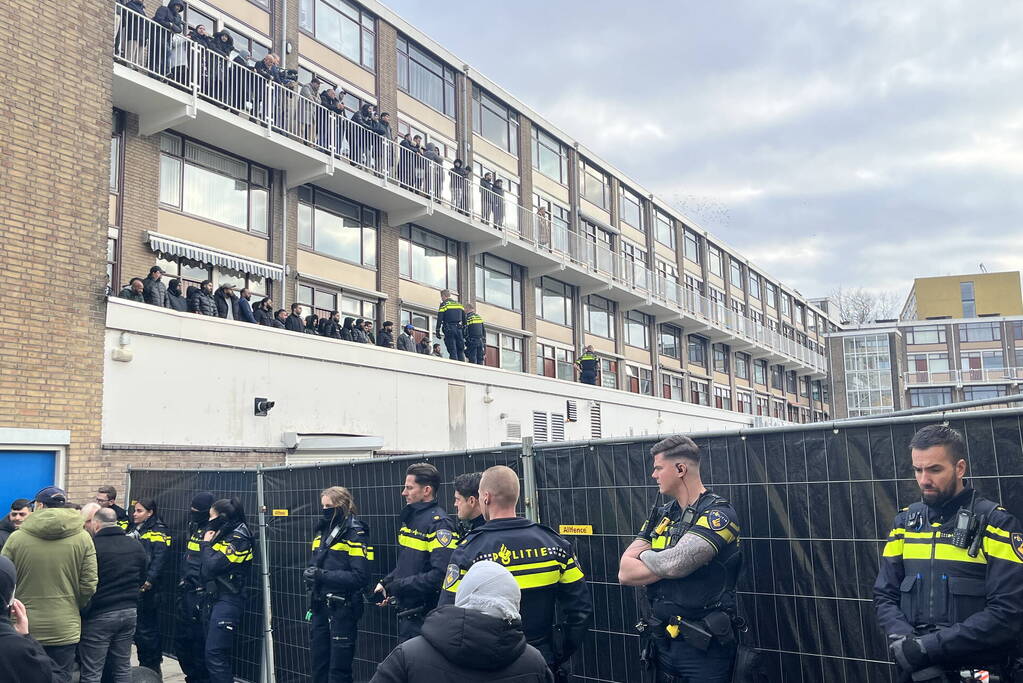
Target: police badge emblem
pixel 1016 539
pixel 717 520
pixel 444 537
pixel 452 576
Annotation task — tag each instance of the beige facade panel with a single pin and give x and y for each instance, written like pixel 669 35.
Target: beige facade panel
pixel 321 54
pixel 495 154
pixel 245 11
pixel 501 317
pixel 333 270
pixel 978 346
pixel 591 209
pixel 670 364
pixel 600 343
pixel 721 378
pixel 430 117
pixel 630 233
pixel 636 355
pixel 558 333
pixel 743 383
pixel 926 348
pixel 699 371
pixel 416 294
pixel 666 253
pixel 218 237
pixel 713 279
pixel 547 186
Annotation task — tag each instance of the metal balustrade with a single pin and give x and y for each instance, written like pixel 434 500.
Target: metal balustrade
pixel 148 47
pixel 960 377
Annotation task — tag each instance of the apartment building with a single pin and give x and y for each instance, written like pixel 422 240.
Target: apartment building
pixel 973 295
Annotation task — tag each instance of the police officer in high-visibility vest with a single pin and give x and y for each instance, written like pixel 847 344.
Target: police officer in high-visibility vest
pixel 687 554
pixel 425 541
pixel 949 595
pixel 335 578
pixel 467 503
pixel 542 562
pixel 451 324
pixel 475 336
pixel 189 631
pixel 588 365
pixel 155 538
pixel 226 558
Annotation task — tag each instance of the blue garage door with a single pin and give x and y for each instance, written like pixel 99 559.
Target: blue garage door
pixel 24 473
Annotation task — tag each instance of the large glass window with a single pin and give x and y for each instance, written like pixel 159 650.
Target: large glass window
pixel 969 302
pixel 699 392
pixel 672 386
pixel 342 26
pixel 554 361
pixel 637 329
pixel 925 334
pixel 494 121
pixel 664 229
pixel 559 216
pixel 639 380
pixel 554 301
pixel 978 393
pixel 631 209
pixel 697 351
pixel 600 316
pixel 670 341
pixel 760 372
pixel 771 295
pixel 754 285
pixel 744 402
pixel 425 78
pixel 714 263
pixel 595 186
pixel 503 351
pixel 931 396
pixel 214 186
pixel 735 271
pixel 868 374
pixel 742 365
pixel 721 354
pixel 336 227
pixel 498 282
pixel 786 305
pixel 608 373
pixel 980 332
pixel 691 246
pixel 427 258
pixel 550 157
pixel 722 397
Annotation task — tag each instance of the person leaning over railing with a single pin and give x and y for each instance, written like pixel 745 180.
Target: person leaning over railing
pixel 434 172
pixel 169 17
pixel 486 197
pixel 460 178
pixel 133 28
pixel 498 200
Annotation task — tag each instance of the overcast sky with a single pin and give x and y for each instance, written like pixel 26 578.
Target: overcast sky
pixel 844 143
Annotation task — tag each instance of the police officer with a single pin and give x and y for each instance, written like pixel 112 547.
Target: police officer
pixel 155 538
pixel 588 365
pixel 687 554
pixel 467 503
pixel 450 324
pixel 950 591
pixel 226 557
pixel 541 561
pixel 425 541
pixel 335 577
pixel 190 634
pixel 475 336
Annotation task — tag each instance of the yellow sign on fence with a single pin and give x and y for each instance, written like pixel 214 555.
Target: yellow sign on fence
pixel 280 513
pixel 576 529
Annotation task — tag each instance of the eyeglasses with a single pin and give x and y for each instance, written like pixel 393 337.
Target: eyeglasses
pixel 101 500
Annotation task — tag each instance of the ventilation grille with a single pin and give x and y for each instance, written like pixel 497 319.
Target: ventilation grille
pixel 514 432
pixel 596 432
pixel 539 426
pixel 571 412
pixel 557 427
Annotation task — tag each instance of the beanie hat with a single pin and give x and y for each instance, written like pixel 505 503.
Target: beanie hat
pixel 491 589
pixel 203 501
pixel 8 579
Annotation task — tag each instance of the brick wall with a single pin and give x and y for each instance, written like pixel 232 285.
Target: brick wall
pixel 141 199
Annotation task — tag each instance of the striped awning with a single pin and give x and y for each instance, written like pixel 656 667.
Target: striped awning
pixel 173 246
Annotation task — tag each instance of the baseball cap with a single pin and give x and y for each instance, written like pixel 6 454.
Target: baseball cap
pixel 51 496
pixel 157 269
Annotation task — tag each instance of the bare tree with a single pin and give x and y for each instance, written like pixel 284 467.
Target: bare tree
pixel 858 306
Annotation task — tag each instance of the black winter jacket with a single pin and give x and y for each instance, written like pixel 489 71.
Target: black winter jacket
pixel 155 538
pixel 200 302
pixel 154 292
pixel 465 646
pixel 329 328
pixel 385 338
pixel 169 19
pixel 22 659
pixel 295 323
pixel 175 301
pixel 121 563
pixel 218 44
pixel 225 302
pixel 262 316
pixel 277 323
pixel 6 529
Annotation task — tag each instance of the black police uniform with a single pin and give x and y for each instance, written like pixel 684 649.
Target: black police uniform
pixel 338 572
pixel 189 633
pixel 588 365
pixel 122 517
pixel 467 527
pixel 704 598
pixel 475 339
pixel 155 538
pixel 425 541
pixel 966 611
pixel 450 322
pixel 544 565
pixel 224 568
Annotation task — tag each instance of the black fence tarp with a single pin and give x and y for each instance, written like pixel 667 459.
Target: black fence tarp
pixel 816 505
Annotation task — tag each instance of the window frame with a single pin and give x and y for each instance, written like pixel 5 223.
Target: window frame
pixel 673 331
pixel 452 249
pixel 480 269
pixel 664 225
pixel 366 23
pixel 696 342
pixel 407 58
pixel 540 138
pixel 627 196
pixel 608 312
pixel 367 252
pixel 633 322
pixel 568 297
pixel 592 173
pixel 483 100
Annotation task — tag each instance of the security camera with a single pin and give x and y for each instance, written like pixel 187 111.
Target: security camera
pixel 263 406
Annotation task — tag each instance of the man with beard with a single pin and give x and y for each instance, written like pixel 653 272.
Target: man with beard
pixel 949 595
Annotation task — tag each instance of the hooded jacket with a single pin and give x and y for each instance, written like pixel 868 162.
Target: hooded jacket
pixel 385 338
pixel 218 44
pixel 461 645
pixel 6 529
pixel 169 19
pixel 56 564
pixel 175 300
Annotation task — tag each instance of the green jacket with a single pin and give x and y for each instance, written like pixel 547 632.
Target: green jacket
pixel 56 564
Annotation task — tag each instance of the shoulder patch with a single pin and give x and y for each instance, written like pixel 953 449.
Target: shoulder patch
pixel 444 537
pixel 717 520
pixel 1016 538
pixel 451 576
pixel 436 517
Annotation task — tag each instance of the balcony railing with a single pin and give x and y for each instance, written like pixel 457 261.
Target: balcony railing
pixel 959 377
pixel 174 59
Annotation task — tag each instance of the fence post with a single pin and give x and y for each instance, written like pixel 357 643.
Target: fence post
pixel 269 674
pixel 529 499
pixel 127 484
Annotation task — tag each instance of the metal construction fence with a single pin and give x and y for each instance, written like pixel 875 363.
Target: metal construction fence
pixel 816 503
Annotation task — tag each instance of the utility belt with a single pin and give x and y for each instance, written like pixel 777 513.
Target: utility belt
pixel 717 626
pixel 330 601
pixel 450 326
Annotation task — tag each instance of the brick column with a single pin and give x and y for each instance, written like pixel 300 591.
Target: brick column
pixel 388 234
pixel 387 71
pixel 284 220
pixel 387 268
pixel 141 200
pixel 463 117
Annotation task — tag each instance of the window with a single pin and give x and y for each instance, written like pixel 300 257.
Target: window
pixel 735 273
pixel 691 246
pixel 639 380
pixel 800 314
pixel 503 351
pixel 425 78
pixel 600 316
pixel 742 365
pixel 631 209
pixel 815 393
pixel 987 360
pixel 980 332
pixel 192 274
pixel 608 373
pixel 790 382
pixel 670 341
pixel 664 230
pixel 721 357
pixel 1017 331
pixel 931 396
pixel 494 121
pixel 600 251
pixel 786 304
pixel 922 366
pixel 772 295
pixel 255 49
pixel 672 387
pixel 744 402
pixel 777 376
pixel 498 282
pixel 804 387
pixel 868 375
pixel 559 221
pixel 754 285
pixel 722 397
pixel 336 227
pixel 694 284
pixel 554 301
pixel 554 361
pixel 969 302
pixel 342 26
pixel 714 263
pixel 760 372
pixel 763 406
pixel 699 392
pixel 926 334
pixel 212 185
pixel 739 307
pixel 697 351
pixel 116 134
pixel 977 393
pixel 668 271
pixel 811 321
pixel 1019 357
pixel 635 263
pixel 427 258
pixel 550 157
pixel 595 186
pixel 637 329
pixel 323 302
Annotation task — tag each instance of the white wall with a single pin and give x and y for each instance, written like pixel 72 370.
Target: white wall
pixel 192 381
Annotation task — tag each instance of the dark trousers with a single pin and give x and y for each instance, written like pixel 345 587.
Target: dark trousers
pixel 225 621
pixel 63 657
pixel 680 662
pixel 454 342
pixel 147 631
pixel 588 377
pixel 475 350
pixel 409 627
pixel 332 644
pixel 106 647
pixel 190 638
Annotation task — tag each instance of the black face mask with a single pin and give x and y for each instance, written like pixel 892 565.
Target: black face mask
pixel 217 523
pixel 199 517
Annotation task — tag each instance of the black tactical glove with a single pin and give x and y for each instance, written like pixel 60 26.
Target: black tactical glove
pixel 909 654
pixel 311 575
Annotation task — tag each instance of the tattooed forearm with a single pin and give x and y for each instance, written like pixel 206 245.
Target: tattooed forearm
pixel 689 554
